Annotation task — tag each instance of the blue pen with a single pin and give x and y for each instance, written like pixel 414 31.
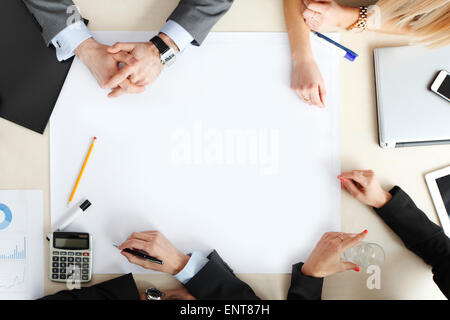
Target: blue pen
pixel 339 49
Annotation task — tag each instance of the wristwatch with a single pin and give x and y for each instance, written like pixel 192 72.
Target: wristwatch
pixel 166 53
pixel 154 294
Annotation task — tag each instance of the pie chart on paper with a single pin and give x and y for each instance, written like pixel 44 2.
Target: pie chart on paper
pixel 7 216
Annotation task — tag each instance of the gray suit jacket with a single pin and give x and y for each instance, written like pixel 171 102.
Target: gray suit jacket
pixel 196 16
pixel 199 16
pixel 52 15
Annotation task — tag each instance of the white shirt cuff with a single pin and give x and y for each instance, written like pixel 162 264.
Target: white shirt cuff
pixel 197 261
pixel 69 39
pixel 178 34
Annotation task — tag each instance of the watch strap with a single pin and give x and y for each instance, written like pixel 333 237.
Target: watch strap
pixel 160 45
pixel 166 53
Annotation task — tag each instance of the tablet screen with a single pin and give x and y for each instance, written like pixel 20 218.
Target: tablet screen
pixel 443 184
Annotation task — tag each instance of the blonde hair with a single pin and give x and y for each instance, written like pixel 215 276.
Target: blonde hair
pixel 428 20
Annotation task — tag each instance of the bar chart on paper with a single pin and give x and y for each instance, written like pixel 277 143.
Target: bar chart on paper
pixel 16 254
pixel 21 247
pixel 13 258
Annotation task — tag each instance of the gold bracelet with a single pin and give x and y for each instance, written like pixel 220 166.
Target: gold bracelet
pixel 360 24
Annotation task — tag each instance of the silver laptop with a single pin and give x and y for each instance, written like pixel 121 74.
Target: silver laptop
pixel 409 113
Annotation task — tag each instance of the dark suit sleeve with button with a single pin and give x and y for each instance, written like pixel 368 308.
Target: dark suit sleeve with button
pixel 304 287
pixel 52 15
pixel 121 288
pixel 216 281
pixel 420 235
pixel 199 16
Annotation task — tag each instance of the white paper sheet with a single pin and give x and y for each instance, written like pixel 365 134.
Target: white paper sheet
pixel 219 153
pixel 21 245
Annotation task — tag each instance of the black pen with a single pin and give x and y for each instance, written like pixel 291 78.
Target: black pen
pixel 141 254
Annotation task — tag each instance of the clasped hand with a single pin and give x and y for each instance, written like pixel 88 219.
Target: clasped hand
pixel 123 67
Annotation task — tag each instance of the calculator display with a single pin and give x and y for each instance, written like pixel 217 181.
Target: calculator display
pixel 74 244
pixel 70 257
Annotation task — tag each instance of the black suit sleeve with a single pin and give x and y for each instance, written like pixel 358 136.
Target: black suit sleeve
pixel 304 287
pixel 216 281
pixel 420 235
pixel 121 288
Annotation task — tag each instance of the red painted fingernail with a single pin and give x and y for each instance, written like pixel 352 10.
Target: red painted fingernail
pixel 343 180
pixel 365 231
pixel 357 269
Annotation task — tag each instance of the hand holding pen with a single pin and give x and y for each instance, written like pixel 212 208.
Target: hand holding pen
pixel 155 246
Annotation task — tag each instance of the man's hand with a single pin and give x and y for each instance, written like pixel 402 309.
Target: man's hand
pixel 307 82
pixel 325 259
pixel 364 186
pixel 104 65
pixel 156 245
pixel 148 64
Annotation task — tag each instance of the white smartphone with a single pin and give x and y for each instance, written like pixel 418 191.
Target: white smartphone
pixel 441 85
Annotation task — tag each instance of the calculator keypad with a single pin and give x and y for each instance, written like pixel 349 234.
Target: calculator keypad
pixel 64 265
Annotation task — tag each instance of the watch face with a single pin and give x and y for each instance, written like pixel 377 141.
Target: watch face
pixel 154 294
pixel 168 57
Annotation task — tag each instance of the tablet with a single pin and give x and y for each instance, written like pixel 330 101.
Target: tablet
pixel 439 185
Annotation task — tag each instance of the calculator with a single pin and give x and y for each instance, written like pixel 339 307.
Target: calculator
pixel 70 257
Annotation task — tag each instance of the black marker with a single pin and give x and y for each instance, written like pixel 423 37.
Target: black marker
pixel 141 254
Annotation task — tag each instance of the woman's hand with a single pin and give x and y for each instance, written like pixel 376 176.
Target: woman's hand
pixel 325 259
pixel 307 82
pixel 364 186
pixel 327 15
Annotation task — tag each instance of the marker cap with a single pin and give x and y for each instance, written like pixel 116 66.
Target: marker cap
pixel 85 205
pixel 350 56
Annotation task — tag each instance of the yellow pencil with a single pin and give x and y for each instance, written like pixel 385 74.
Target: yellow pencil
pixel 81 171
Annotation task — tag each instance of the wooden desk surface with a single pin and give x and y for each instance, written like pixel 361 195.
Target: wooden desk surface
pixel 24 155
